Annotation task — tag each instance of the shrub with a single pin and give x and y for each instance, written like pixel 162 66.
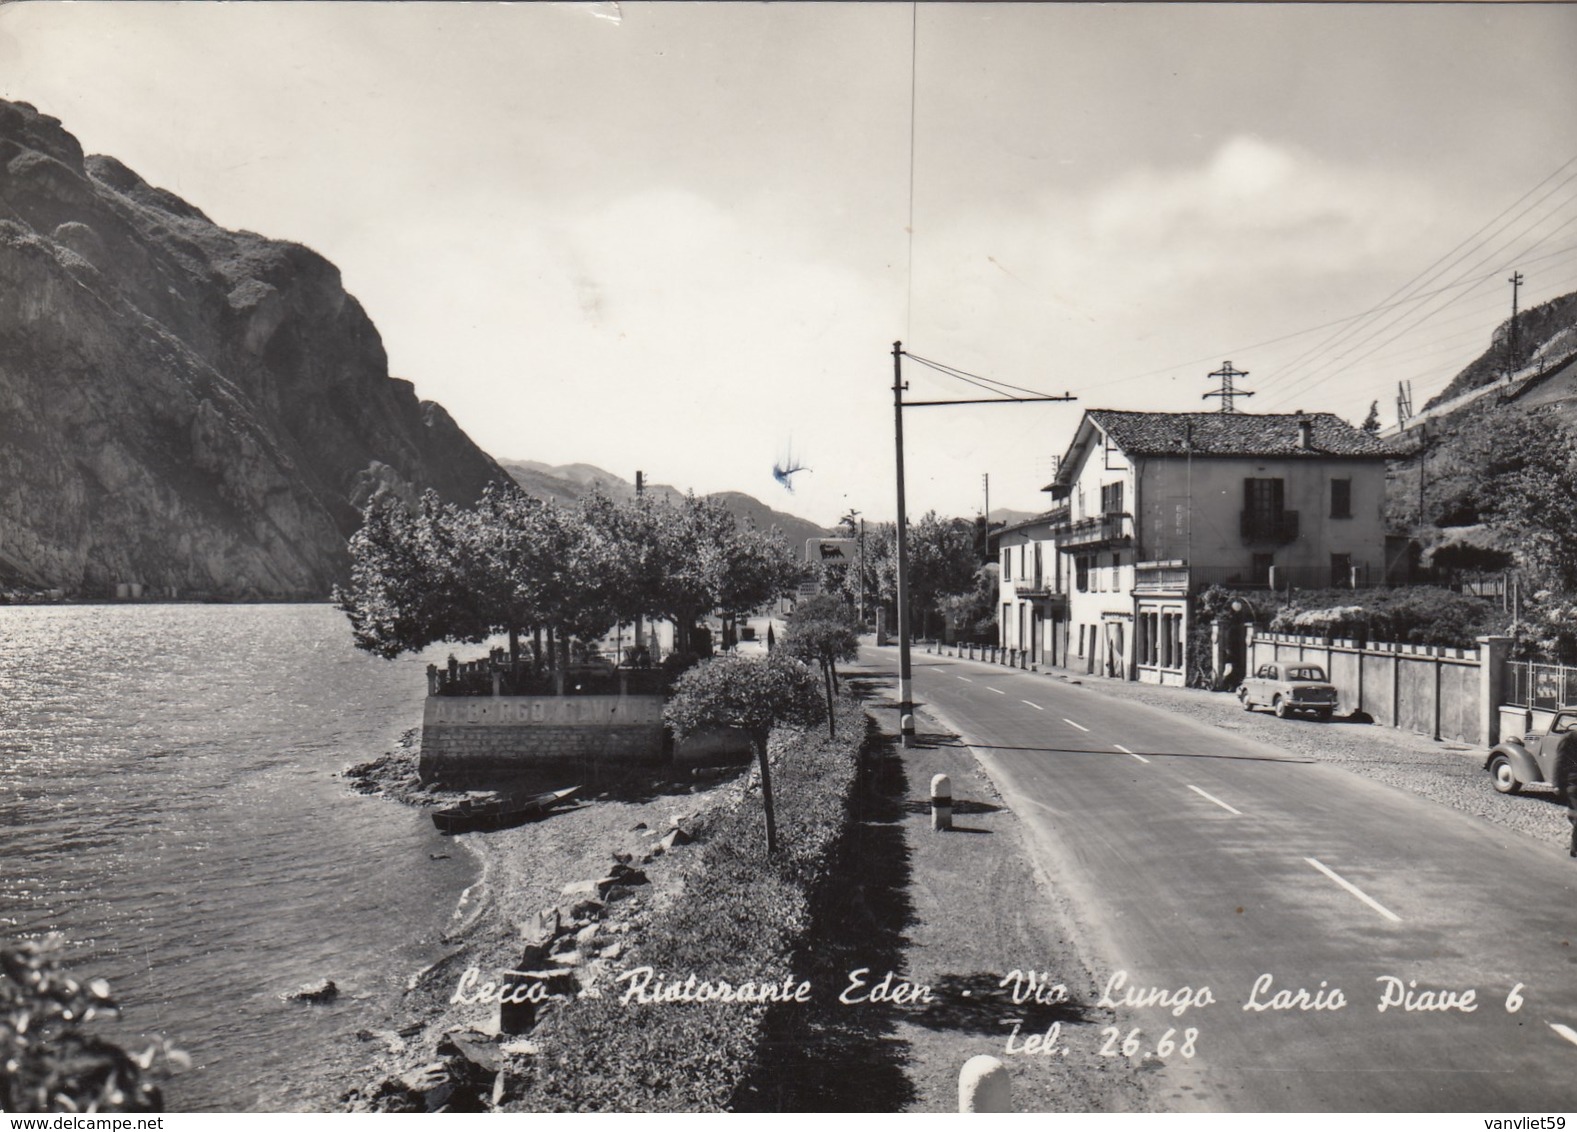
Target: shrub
pixel 47 1062
pixel 1420 615
pixel 741 917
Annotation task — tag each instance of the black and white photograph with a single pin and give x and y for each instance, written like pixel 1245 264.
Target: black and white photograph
pixel 644 557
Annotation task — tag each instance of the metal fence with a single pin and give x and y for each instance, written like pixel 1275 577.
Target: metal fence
pixel 1532 684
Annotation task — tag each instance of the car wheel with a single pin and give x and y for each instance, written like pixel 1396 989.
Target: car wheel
pixel 1503 775
pixel 1280 707
pixel 1248 704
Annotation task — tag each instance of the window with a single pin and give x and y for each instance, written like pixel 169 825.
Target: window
pixel 1341 570
pixel 1112 498
pixel 1341 499
pixel 1264 497
pixel 1007 564
pixel 1081 578
pixel 1262 565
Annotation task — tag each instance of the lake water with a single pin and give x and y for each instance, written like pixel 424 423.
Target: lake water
pixel 169 801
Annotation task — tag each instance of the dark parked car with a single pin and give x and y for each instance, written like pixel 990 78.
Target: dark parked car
pixel 1286 688
pixel 1548 756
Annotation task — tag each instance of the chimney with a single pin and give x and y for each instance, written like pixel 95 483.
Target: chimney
pixel 1305 432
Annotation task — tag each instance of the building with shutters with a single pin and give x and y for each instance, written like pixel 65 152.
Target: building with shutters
pixel 1150 508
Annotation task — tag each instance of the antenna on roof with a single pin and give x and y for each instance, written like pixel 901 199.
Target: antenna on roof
pixel 1226 373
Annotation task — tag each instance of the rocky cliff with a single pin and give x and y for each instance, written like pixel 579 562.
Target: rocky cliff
pixel 182 406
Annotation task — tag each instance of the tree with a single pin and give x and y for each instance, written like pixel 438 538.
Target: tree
pixel 412 581
pixel 1371 423
pixel 975 612
pixel 1526 486
pixel 941 561
pixel 48 1063
pixel 819 631
pixel 753 695
pixel 515 564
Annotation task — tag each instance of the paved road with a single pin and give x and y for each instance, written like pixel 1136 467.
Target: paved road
pixel 1199 859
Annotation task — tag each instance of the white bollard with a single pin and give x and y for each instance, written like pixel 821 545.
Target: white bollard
pixel 941 802
pixel 984 1086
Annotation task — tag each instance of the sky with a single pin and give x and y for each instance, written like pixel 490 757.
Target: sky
pixel 683 238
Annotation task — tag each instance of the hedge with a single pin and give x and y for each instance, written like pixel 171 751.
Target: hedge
pixel 740 918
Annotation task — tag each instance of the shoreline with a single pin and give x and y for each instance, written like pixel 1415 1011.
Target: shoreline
pixel 563 895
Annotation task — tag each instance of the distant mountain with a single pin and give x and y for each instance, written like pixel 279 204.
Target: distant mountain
pixel 184 407
pixel 1451 442
pixel 566 483
pixel 1007 517
pixel 1546 334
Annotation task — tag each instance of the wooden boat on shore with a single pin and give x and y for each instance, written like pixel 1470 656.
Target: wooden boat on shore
pixel 471 816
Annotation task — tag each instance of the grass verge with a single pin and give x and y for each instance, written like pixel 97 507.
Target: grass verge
pixel 742 918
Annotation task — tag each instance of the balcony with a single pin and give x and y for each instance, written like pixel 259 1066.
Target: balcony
pixel 1269 526
pixel 1098 532
pixel 1037 588
pixel 1161 579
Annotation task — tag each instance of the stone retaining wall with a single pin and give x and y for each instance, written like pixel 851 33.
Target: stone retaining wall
pixel 465 737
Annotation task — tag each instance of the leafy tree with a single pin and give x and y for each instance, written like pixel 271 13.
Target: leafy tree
pixel 48 1063
pixel 1528 492
pixel 1371 423
pixel 753 695
pixel 412 581
pixel 941 562
pixel 515 564
pixel 975 612
pixel 819 632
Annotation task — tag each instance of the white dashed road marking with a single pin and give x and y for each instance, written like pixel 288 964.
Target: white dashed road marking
pixel 1070 723
pixel 1217 801
pixel 1356 891
pixel 1565 1031
pixel 1037 707
pixel 1126 751
pixel 966 679
pixel 998 691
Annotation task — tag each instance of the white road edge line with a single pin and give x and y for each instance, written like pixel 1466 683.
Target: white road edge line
pixel 1126 751
pixel 1565 1031
pixel 1217 801
pixel 1356 891
pixel 1070 723
pixel 1037 707
pixel 998 691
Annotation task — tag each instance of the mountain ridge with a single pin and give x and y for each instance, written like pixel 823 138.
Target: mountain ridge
pixel 567 483
pixel 183 407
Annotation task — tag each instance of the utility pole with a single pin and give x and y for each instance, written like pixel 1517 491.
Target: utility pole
pixel 862 573
pixel 905 686
pixel 1226 373
pixel 985 548
pixel 1511 339
pixel 905 682
pixel 640 490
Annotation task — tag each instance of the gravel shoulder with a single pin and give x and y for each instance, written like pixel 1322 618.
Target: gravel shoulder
pixel 522 872
pixel 967 909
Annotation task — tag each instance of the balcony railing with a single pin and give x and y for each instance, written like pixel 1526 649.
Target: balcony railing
pixel 1269 526
pixel 1097 531
pixel 1039 587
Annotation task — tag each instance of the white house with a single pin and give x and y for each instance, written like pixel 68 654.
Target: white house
pixel 1152 507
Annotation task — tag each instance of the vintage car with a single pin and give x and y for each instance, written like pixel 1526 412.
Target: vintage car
pixel 1286 688
pixel 1537 757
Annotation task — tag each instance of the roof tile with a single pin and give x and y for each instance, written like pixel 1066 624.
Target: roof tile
pixel 1235 434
